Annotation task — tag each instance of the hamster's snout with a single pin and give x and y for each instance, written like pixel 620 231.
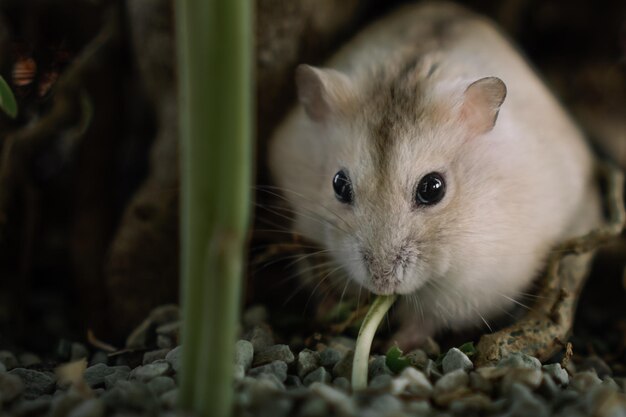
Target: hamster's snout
pixel 388 272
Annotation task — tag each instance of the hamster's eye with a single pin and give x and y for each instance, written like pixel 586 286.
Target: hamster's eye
pixel 430 189
pixel 342 187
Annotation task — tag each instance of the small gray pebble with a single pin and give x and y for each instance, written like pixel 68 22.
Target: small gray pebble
pixel 273 353
pixel 342 383
pixel 131 395
pixel 260 337
pixel 94 375
pixel 382 381
pixel 147 372
pixel 272 380
pixel 386 404
pixel 451 381
pixel 154 355
pixel 529 377
pixel 431 370
pixel 161 384
pixel 244 352
pixel 480 383
pixel 120 373
pixel 378 367
pixel 548 388
pixel 29 359
pixel 520 360
pixel 338 399
pixel 558 374
pixel 10 387
pixel 169 399
pixel 308 361
pixel 78 351
pixel 239 372
pixel 329 357
pixel 93 407
pixel 255 316
pixel 174 358
pixel 314 407
pixel 584 381
pixel 318 375
pixel 35 383
pixel 525 403
pixel 277 368
pixel 455 359
pixel 8 359
pixel 419 408
pixel 99 357
pixel 419 384
pixel 344 366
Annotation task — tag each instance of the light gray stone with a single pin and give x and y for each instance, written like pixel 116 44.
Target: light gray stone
pixel 455 359
pixel 526 404
pixel 35 383
pixel 94 375
pixel 308 361
pixel 174 358
pixel 329 357
pixel 273 353
pixel 418 383
pixel 150 371
pixel 260 337
pixel 378 366
pixel 120 373
pixel 451 381
pixel 244 352
pixel 558 374
pixel 584 381
pixel 154 355
pixel 318 375
pixel 277 368
pixel 520 360
pixel 161 384
pixel 381 382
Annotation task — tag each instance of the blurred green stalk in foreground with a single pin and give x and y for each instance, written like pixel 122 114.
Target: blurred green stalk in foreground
pixel 214 42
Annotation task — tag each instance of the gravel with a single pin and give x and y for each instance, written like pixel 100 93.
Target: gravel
pixel 35 383
pixel 455 359
pixel 313 380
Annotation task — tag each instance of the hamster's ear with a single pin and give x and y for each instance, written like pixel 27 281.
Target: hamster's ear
pixel 481 103
pixel 321 91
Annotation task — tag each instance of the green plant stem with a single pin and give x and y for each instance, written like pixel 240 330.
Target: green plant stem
pixel 374 316
pixel 214 46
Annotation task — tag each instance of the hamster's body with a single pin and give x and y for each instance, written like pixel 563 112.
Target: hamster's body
pixel 415 93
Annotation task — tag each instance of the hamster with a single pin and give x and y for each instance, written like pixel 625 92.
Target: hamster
pixel 428 160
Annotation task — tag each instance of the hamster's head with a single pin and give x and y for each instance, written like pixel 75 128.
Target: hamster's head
pixel 389 205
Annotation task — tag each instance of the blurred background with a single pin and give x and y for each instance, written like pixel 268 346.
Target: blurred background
pixel 88 170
